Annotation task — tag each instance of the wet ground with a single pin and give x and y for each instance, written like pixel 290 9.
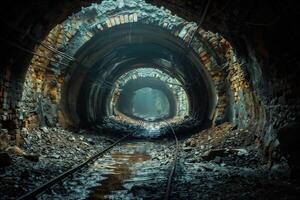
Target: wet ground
pixel 121 174
pixel 52 151
pixel 221 163
pixel 139 170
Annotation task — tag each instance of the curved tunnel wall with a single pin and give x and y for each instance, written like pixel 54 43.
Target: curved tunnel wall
pixel 273 74
pixel 146 72
pixel 230 94
pixel 147 44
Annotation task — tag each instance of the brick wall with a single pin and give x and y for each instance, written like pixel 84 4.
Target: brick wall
pixel 235 96
pixel 41 92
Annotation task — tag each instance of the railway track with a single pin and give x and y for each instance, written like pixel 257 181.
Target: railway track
pixel 104 162
pixel 174 165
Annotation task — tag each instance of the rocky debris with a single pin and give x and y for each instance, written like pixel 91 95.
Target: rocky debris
pixel 224 163
pixel 127 174
pixel 45 129
pixel 135 170
pixel 214 153
pixel 14 150
pixel 17 151
pixel 223 144
pixel 218 163
pixel 214 136
pixel 146 129
pixel 72 138
pixel 118 125
pixel 209 180
pixel 45 153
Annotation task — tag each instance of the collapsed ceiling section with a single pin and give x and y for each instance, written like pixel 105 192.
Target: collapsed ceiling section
pixel 107 52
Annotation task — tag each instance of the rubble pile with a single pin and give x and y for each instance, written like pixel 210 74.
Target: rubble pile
pixel 44 154
pixel 225 163
pixel 146 129
pixel 224 144
pixel 118 125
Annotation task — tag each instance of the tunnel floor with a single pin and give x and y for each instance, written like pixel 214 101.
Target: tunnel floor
pixel 218 163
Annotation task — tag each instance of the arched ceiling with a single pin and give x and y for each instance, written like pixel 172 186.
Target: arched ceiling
pixel 251 28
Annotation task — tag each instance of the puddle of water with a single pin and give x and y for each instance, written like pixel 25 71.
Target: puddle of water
pixel 120 172
pixel 130 145
pixel 112 182
pixel 131 158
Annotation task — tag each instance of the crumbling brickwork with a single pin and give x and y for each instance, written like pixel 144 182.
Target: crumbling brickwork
pixel 271 106
pixel 41 88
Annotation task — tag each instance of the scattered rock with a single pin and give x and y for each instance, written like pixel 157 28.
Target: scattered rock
pixel 91 141
pixel 45 129
pixel 50 152
pixel 14 150
pixel 211 154
pixel 187 148
pixel 72 139
pixel 56 156
pixel 241 152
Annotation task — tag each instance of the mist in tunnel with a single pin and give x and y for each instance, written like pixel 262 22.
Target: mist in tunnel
pixel 149 104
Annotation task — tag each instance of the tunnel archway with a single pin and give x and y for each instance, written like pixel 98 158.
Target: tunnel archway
pixel 117 50
pixel 95 55
pixel 127 102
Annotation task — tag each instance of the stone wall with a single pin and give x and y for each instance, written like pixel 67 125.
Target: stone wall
pixel 41 93
pixel 282 111
pixel 42 88
pixel 278 94
pixel 9 109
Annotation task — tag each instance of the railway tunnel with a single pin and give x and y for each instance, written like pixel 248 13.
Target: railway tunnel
pixel 221 76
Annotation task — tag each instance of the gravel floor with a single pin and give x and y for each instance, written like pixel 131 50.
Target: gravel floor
pixel 56 150
pixel 220 163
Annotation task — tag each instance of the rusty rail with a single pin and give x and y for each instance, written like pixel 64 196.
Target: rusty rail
pixel 174 166
pixel 32 194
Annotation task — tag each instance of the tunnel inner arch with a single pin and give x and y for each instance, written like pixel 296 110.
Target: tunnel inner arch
pixel 119 49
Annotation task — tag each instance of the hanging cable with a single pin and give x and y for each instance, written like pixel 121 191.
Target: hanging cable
pixel 29 51
pixel 69 57
pixel 200 22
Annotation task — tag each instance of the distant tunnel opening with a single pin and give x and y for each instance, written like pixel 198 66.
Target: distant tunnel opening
pixel 155 106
